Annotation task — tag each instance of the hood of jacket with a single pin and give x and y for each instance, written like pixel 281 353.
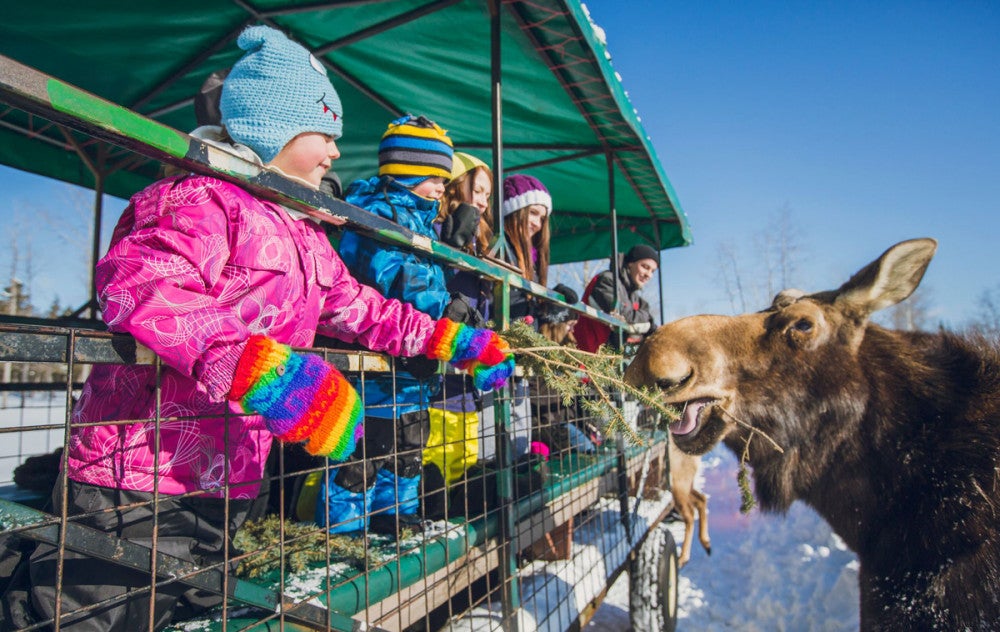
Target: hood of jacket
pixel 384 196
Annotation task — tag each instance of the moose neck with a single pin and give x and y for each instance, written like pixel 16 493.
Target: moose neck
pixel 881 442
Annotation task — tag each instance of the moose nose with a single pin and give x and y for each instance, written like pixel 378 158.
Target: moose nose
pixel 668 370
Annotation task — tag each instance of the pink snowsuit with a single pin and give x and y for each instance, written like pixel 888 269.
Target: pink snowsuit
pixel 197 265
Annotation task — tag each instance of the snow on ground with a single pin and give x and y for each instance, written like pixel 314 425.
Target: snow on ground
pixel 766 572
pixel 44 411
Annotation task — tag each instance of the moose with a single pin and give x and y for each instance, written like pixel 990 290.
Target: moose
pixel 892 437
pixel 689 502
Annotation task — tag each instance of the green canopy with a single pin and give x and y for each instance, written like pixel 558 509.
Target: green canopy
pixel 565 116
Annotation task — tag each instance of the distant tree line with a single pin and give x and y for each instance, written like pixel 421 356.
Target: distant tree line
pixel 750 280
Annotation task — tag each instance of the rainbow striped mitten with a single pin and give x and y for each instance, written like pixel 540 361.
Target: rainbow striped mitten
pixel 479 352
pixel 301 397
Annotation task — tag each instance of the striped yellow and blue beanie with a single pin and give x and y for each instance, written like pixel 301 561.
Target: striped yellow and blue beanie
pixel 275 92
pixel 414 146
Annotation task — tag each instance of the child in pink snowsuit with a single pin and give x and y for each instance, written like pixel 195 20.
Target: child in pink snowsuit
pixel 221 285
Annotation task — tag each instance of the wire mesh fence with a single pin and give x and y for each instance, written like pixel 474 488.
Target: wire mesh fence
pixel 525 513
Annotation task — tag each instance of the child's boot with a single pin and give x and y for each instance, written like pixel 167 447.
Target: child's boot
pixel 346 510
pixel 395 503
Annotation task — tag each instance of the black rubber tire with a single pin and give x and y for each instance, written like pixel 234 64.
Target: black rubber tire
pixel 653 583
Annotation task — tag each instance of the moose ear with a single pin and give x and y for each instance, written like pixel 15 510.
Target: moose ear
pixel 890 278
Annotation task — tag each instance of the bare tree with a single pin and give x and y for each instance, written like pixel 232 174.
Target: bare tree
pixel 783 250
pixel 576 275
pixel 751 280
pixel 73 227
pixel 731 276
pixel 913 314
pixel 987 318
pixel 16 297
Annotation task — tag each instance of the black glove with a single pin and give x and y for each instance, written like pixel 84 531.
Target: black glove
pixel 461 311
pixel 420 366
pixel 568 292
pixel 330 184
pixel 459 228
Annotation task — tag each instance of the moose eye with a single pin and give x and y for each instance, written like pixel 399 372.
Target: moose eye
pixel 668 384
pixel 803 325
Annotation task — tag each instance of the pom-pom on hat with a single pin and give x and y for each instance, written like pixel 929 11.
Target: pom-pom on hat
pixel 414 146
pixel 520 191
pixel 462 163
pixel 275 92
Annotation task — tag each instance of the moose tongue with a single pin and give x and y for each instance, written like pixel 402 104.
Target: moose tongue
pixel 689 418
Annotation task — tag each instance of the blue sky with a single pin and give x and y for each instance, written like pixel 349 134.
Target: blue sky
pixel 869 122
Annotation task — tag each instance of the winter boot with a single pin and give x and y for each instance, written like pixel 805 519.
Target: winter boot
pixel 347 511
pixel 395 503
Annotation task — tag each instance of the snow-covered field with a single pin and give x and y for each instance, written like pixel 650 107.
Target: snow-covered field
pixel 766 572
pixel 19 413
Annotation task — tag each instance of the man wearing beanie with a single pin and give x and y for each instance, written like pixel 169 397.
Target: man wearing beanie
pixel 635 269
pixel 415 162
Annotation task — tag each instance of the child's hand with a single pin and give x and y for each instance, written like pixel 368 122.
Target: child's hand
pixel 301 397
pixel 479 352
pixel 459 228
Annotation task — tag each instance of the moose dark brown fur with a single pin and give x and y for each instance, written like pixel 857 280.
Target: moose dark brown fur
pixel 893 437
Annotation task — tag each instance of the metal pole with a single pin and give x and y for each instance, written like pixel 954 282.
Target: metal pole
pixel 619 441
pixel 614 224
pixel 509 588
pixel 496 92
pixel 95 253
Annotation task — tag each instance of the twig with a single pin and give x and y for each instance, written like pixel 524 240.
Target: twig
pixel 754 430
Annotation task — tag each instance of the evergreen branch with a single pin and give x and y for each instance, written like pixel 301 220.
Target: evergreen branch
pixel 562 368
pixel 747 500
pixel 301 544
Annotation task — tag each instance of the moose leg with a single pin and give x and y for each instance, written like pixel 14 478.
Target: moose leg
pixel 688 501
pixel 682 502
pixel 701 504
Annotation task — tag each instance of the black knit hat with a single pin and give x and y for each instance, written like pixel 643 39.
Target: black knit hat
pixel 642 251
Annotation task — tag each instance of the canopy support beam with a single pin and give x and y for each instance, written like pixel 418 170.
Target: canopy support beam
pixel 95 166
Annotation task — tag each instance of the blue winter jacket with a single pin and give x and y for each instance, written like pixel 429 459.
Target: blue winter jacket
pixel 396 274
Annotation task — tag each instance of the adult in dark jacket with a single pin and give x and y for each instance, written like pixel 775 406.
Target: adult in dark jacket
pixel 619 296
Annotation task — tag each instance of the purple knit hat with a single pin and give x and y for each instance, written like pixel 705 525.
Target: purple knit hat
pixel 520 191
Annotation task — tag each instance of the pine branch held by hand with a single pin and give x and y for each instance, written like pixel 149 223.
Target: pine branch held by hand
pixel 596 379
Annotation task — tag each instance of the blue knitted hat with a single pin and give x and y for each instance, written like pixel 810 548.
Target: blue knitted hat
pixel 275 92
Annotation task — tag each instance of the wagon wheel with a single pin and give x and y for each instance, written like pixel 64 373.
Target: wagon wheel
pixel 653 583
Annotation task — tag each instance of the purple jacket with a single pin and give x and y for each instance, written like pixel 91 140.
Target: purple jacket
pixel 195 266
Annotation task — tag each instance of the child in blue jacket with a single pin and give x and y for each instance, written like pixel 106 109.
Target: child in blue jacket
pixel 382 477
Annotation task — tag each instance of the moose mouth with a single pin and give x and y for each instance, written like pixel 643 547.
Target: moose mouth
pixel 691 416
